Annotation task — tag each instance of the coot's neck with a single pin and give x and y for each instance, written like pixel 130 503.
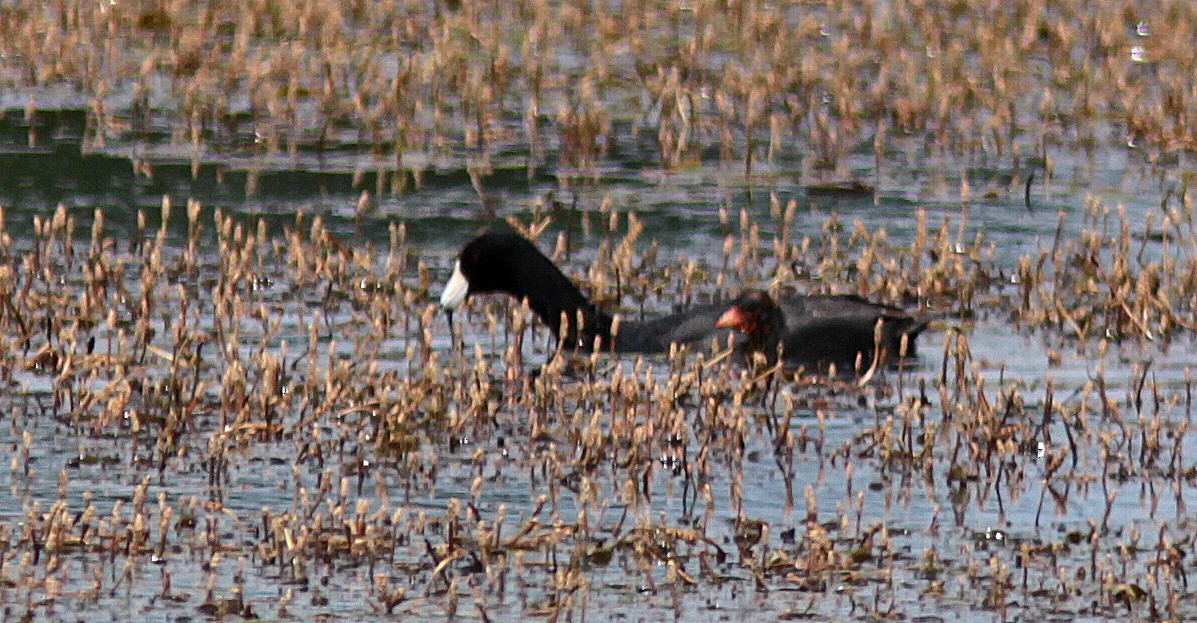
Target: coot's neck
pixel 555 299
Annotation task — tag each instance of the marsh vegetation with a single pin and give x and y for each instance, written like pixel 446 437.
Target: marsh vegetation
pixel 228 391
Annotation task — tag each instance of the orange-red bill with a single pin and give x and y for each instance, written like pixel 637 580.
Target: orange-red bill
pixel 733 318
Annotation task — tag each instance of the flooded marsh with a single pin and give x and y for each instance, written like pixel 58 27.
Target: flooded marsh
pixel 228 391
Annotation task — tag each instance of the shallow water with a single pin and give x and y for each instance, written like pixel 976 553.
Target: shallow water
pixel 322 466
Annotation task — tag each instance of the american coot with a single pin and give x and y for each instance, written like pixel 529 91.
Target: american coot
pixel 844 339
pixel 501 260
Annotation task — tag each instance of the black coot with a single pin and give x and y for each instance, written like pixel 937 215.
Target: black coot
pixel 501 260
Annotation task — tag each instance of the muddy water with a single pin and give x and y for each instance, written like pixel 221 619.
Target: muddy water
pixel 954 546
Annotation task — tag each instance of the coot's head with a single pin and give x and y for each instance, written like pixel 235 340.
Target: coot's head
pixel 492 262
pixel 757 316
